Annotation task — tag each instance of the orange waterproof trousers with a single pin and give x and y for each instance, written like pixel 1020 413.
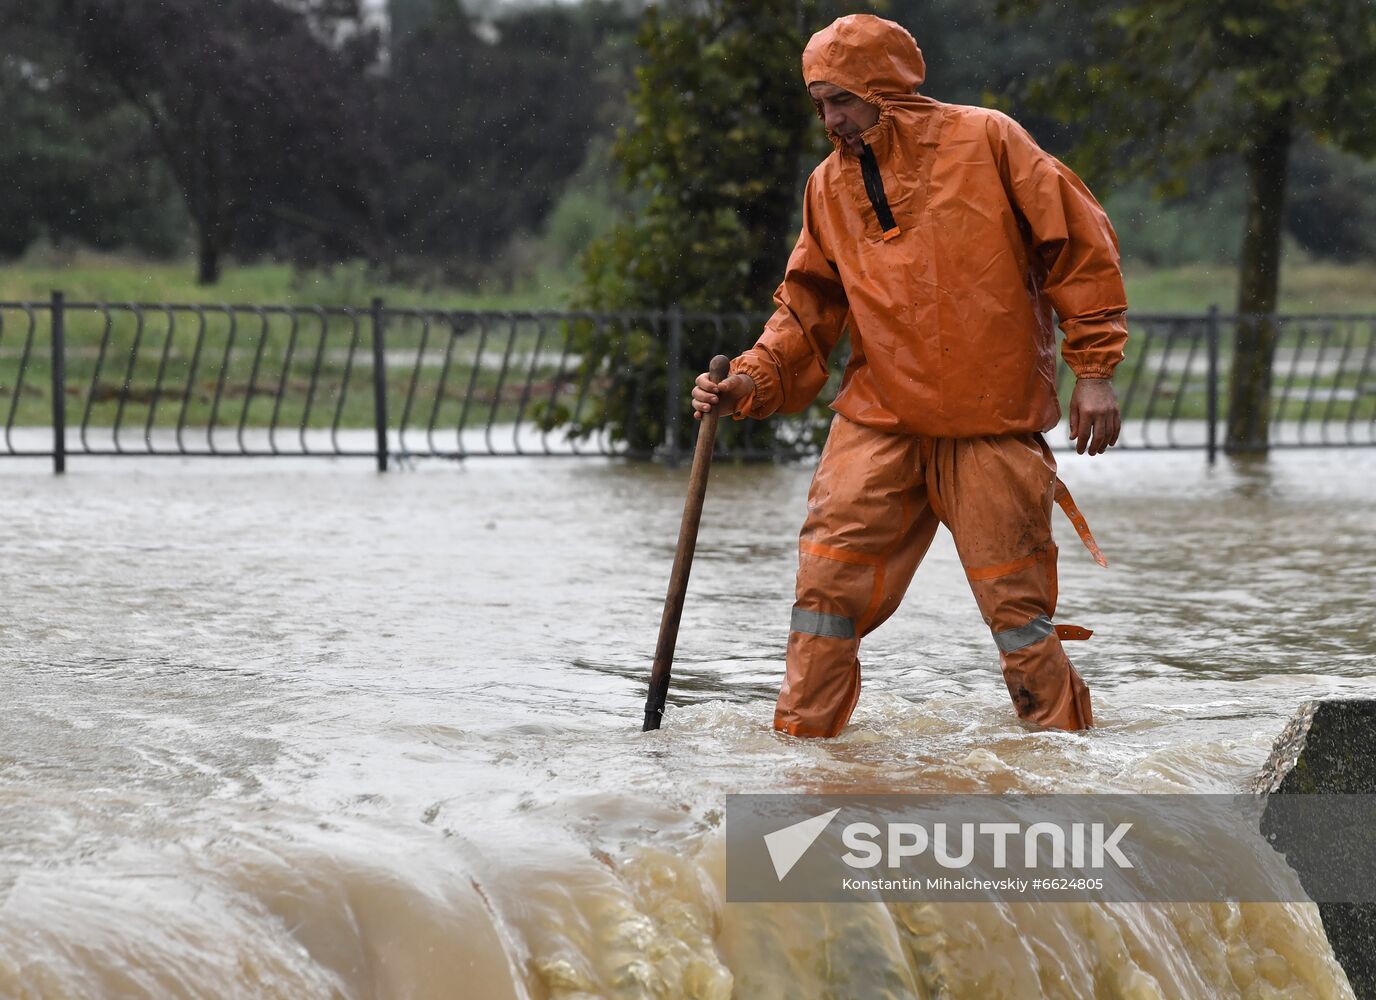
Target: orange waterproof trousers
pixel 873 509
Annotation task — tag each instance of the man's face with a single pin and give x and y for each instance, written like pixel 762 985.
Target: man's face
pixel 843 113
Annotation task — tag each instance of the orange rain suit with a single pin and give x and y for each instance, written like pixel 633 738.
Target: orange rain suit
pixel 944 252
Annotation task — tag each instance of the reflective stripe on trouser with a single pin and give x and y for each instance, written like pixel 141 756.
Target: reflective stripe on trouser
pixel 873 509
pixel 1011 640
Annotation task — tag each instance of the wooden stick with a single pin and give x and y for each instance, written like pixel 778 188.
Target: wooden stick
pixel 683 557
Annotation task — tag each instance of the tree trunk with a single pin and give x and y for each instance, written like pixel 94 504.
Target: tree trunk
pixel 210 218
pixel 1254 342
pixel 208 258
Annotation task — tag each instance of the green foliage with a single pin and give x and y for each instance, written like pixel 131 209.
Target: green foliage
pixel 254 109
pixel 485 122
pixel 280 130
pixel 1164 86
pixel 476 149
pixel 1330 212
pixel 1197 228
pixel 77 164
pixel 717 124
pixel 1331 206
pixel 579 218
pixel 713 152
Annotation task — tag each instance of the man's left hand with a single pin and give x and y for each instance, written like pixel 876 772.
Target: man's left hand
pixel 1094 417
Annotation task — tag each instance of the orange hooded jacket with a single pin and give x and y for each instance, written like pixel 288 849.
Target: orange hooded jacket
pixel 950 301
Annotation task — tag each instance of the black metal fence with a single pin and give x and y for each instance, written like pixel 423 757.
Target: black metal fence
pixel 389 384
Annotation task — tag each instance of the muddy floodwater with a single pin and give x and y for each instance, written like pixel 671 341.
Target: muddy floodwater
pixel 295 730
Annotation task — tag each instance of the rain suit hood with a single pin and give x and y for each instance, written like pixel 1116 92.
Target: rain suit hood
pixel 875 59
pixel 867 55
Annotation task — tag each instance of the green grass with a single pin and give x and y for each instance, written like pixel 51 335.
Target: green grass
pixel 1305 287
pixel 107 278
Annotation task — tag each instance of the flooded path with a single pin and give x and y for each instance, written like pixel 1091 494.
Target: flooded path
pixel 293 730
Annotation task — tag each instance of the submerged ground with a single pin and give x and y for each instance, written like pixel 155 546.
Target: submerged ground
pixel 301 730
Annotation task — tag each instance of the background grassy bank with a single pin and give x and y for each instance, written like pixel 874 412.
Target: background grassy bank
pixel 102 278
pixel 1305 287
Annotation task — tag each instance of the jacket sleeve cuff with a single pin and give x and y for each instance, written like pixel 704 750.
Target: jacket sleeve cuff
pixel 767 393
pixel 1093 347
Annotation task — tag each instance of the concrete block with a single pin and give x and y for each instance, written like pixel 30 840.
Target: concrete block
pixel 1330 747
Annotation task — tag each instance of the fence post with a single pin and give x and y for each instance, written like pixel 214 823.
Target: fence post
pixel 379 384
pixel 1212 332
pixel 58 317
pixel 671 395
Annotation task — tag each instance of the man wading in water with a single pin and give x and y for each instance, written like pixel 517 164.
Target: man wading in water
pixel 944 237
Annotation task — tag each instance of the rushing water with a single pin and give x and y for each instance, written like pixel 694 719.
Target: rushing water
pixel 293 730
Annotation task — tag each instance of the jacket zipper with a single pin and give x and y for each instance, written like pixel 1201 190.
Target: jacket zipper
pixel 874 187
